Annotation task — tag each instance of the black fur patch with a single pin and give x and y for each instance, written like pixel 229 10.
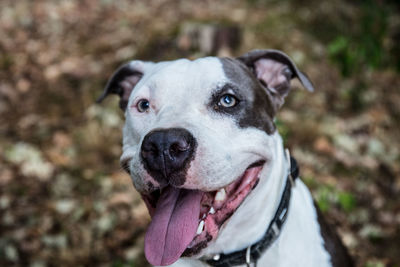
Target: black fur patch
pixel 339 255
pixel 257 109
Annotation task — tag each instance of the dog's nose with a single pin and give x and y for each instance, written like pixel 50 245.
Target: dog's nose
pixel 166 154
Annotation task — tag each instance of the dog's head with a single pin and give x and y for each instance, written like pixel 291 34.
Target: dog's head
pixel 196 138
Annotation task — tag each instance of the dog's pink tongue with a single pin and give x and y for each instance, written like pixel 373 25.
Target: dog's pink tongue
pixel 173 225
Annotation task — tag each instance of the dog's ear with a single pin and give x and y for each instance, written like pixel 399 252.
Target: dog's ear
pixel 124 80
pixel 274 69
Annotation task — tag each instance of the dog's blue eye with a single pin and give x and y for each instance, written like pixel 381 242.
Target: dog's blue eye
pixel 228 101
pixel 143 105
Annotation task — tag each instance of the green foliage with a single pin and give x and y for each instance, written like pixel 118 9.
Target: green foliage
pixel 282 129
pixel 374 263
pixel 323 198
pixel 363 44
pixel 326 196
pixel 346 201
pixel 343 53
pixel 120 263
pixel 310 181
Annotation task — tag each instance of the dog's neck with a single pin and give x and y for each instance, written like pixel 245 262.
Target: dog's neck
pixel 250 222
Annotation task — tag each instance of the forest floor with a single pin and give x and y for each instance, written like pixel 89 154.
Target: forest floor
pixel 64 199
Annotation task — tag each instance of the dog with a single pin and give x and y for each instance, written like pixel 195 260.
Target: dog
pixel 202 148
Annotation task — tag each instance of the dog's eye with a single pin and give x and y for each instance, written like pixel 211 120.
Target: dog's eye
pixel 228 101
pixel 143 105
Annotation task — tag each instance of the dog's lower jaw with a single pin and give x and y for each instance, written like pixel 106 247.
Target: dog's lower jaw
pixel 251 219
pixel 299 244
pixel 300 234
pixel 177 213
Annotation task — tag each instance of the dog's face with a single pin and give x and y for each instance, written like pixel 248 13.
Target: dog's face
pixel 196 138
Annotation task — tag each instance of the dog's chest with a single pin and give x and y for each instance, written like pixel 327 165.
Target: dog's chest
pixel 301 242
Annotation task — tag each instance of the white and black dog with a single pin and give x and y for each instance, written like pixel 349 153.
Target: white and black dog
pixel 201 146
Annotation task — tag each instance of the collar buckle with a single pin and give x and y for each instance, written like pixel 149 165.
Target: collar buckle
pixel 248 261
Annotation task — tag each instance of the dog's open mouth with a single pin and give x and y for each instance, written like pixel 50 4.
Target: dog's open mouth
pixel 184 221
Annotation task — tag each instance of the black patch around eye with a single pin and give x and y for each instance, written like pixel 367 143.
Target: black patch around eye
pixel 257 109
pixel 227 89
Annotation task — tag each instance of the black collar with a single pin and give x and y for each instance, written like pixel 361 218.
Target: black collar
pixel 254 252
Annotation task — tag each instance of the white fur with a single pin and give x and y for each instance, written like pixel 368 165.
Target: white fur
pixel 179 93
pixel 300 242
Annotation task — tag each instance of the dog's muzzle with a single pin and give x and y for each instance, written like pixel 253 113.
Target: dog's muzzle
pixel 166 154
pixel 185 220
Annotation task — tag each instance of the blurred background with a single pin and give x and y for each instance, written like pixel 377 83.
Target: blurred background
pixel 64 199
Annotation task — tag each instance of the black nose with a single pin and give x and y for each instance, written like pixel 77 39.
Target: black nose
pixel 166 154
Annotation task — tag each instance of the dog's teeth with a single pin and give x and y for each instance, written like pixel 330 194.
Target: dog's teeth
pixel 221 195
pixel 200 228
pixel 212 210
